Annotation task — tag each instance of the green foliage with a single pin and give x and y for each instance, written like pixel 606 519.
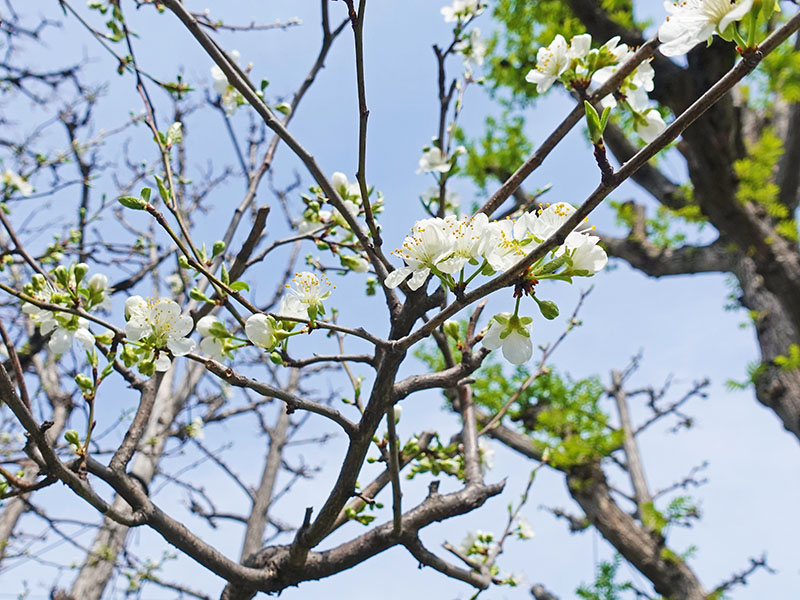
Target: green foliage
pixel 667 228
pixel 500 151
pixel 755 181
pixel 527 26
pixel 789 361
pixel 605 586
pixel 561 415
pixel 570 422
pixel 754 371
pixel 680 511
pixel 781 68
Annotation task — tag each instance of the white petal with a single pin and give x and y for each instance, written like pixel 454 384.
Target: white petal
pixel 517 348
pixel 163 362
pixel 180 346
pixel 491 339
pixel 181 326
pixel 136 330
pixel 205 324
pixel 61 341
pixel 259 330
pixel 85 337
pixel 212 347
pixel 419 278
pixel 134 306
pixel 396 277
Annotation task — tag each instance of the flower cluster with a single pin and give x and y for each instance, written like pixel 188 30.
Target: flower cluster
pixel 578 65
pixel 446 247
pixel 331 226
pixel 68 288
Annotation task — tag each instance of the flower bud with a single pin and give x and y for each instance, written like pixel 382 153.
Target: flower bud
pixel 452 329
pixel 218 248
pixel 80 272
pixel 72 437
pixel 84 382
pixel 397 413
pixel 62 275
pixel 276 358
pixel 132 202
pixel 548 309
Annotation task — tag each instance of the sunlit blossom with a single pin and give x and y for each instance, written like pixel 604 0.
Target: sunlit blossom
pixel 513 335
pixel 158 323
pixel 691 22
pixel 551 62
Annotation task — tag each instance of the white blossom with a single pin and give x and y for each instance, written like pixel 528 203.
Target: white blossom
pixel 260 329
pixel 551 62
pixel 693 21
pixel 434 161
pixel 486 453
pixel 461 10
pixel 509 243
pixel 210 345
pixel 230 97
pixel 473 48
pixel 344 187
pixel 513 334
pixel 307 295
pixel 579 46
pixel 65 328
pixel 524 529
pixel 16 181
pixel 426 247
pixel 650 126
pixel 585 253
pixel 159 323
pixel 195 429
pixel 98 284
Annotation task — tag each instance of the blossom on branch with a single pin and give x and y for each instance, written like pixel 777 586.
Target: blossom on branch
pixel 229 95
pixel 472 48
pixel 14 181
pixel 461 10
pixel 424 249
pixel 513 334
pixel 551 62
pixel 691 22
pixel 156 324
pixel 304 300
pixel 260 329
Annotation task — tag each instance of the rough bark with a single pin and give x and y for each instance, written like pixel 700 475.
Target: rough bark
pixel 776 388
pixel 671 577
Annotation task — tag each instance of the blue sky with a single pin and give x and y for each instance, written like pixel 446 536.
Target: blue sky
pixel 680 323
